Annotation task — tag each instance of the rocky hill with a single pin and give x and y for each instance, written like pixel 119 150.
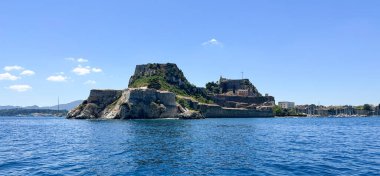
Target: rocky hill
pixel 170 78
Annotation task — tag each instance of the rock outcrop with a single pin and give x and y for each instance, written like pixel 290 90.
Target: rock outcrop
pixel 169 72
pixel 130 104
pixel 169 76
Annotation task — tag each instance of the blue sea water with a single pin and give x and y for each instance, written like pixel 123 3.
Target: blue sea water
pixel 253 146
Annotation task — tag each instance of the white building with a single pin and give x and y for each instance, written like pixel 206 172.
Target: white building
pixel 286 105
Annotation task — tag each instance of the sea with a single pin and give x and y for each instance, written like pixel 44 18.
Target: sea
pixel 224 146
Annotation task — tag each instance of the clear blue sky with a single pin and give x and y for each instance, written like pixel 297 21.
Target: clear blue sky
pixel 304 51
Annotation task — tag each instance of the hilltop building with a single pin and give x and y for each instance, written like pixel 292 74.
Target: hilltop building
pixel 238 93
pixel 240 87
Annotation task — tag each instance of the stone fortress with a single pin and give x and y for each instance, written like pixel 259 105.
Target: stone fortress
pixel 176 98
pixel 240 87
pixel 240 93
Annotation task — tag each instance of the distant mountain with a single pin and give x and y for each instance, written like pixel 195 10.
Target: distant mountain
pixel 9 107
pixel 31 107
pixel 67 106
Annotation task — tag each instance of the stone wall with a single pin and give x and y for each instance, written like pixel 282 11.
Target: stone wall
pixel 225 100
pixel 215 111
pixel 236 84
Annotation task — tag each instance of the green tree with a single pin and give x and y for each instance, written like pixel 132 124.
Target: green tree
pixel 277 110
pixel 292 111
pixel 184 103
pixel 154 83
pixel 367 107
pixel 210 85
pixel 224 87
pixel 213 87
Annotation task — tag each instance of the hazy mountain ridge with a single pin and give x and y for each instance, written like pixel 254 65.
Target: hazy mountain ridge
pixel 67 106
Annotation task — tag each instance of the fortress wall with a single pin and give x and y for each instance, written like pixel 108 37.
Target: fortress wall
pixel 213 111
pixel 222 99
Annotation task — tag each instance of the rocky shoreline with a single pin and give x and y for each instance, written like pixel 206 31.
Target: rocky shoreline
pixel 144 103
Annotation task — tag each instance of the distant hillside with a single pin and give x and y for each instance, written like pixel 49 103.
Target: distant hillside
pixel 67 106
pixel 33 112
pixel 9 107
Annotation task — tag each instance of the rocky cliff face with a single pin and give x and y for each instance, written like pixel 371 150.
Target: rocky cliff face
pixel 129 104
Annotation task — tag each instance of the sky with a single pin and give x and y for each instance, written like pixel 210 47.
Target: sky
pixel 310 52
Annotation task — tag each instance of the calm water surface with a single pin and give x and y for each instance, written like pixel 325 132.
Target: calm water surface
pixel 276 146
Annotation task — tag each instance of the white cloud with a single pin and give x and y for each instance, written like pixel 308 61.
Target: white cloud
pixel 97 70
pixel 27 73
pixel 20 88
pixel 213 42
pixel 14 67
pixel 79 70
pixel 57 78
pixel 8 76
pixel 89 82
pixel 81 60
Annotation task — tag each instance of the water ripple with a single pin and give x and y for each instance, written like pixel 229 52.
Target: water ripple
pixel 303 146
